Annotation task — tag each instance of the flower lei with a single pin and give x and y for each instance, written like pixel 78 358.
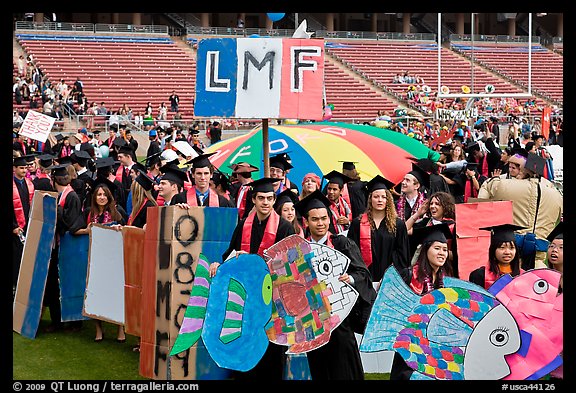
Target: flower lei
pixel 103 218
pixel 401 204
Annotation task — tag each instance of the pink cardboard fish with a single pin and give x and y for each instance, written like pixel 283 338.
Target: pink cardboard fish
pixel 533 300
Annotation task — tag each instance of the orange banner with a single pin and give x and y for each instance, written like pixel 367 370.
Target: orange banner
pixel 546 121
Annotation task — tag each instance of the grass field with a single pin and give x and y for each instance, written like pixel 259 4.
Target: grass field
pixel 68 355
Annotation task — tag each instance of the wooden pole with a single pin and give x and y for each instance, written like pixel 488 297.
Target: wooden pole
pixel 266 147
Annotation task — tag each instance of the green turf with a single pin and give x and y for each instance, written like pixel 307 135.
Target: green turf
pixel 66 355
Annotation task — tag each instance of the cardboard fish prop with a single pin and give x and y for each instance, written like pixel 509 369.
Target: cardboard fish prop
pixel 535 303
pixel 229 311
pixel 458 332
pixel 309 301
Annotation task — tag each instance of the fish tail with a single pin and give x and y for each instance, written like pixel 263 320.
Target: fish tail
pixel 232 325
pixel 392 307
pixel 191 328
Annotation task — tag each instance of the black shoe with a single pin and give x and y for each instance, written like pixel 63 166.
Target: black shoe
pixel 121 340
pixel 99 340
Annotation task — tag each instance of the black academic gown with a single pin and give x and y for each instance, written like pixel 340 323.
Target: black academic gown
pixel 42 184
pixel 339 359
pixel 478 276
pixel 358 197
pixel 142 216
pixel 271 365
pixel 17 246
pixel 387 248
pixel 67 220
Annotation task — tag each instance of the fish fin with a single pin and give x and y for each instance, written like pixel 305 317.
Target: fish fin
pixel 451 282
pixel 393 305
pixel 525 340
pixel 232 325
pixel 553 365
pixel 193 322
pixel 446 329
pixel 499 284
pixel 416 376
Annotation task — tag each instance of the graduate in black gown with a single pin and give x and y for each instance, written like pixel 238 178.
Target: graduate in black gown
pixel 261 229
pixel 355 189
pixel 379 233
pixel 172 184
pixel 42 181
pixel 142 199
pixel 339 359
pixel 69 211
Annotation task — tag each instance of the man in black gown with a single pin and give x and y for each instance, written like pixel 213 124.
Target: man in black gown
pixel 339 359
pixel 261 229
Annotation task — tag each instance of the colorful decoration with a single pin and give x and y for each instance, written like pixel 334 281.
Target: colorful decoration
pixel 229 312
pixel 309 300
pixel 457 332
pixel 72 270
pixel 537 307
pixel 104 151
pixel 317 147
pixel 275 16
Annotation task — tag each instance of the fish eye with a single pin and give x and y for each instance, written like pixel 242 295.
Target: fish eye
pixel 325 267
pixel 499 337
pixel 541 287
pixel 267 289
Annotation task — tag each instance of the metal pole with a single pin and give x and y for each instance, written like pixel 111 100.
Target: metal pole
pixel 472 56
pixel 530 53
pixel 439 50
pixel 295 20
pixel 266 146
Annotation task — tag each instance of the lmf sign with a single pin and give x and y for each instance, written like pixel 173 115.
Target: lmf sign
pixel 260 78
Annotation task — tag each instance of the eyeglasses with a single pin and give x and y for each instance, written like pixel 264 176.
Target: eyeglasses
pixel 555 247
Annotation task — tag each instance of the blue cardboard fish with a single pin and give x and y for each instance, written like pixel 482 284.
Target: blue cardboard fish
pixel 458 332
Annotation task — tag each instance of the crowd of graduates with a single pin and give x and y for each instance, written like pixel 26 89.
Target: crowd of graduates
pixel 410 225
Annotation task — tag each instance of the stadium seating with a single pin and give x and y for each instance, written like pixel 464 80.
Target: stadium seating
pixel 119 70
pixel 511 60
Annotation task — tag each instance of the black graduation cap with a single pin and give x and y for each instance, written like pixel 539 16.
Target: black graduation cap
pixel 81 157
pixel 59 137
pixel 20 161
pixel 201 161
pixel 473 166
pixel 538 136
pixel 197 149
pixel 502 233
pixel 119 142
pixel 106 161
pixel 286 196
pixel 458 137
pixel 535 163
pixel 59 170
pixel 287 156
pixel 279 161
pixel 265 184
pixel 113 127
pixel 87 146
pixel 221 179
pixel 337 178
pixel 379 183
pixel 64 160
pixel 144 180
pixel 432 233
pixel 557 232
pixel 168 139
pixel 126 149
pixel 446 150
pixel 173 173
pixel 421 175
pixel 46 160
pixel 315 200
pixel 107 183
pixel 348 165
pixel 96 132
pixel 29 157
pixel 472 147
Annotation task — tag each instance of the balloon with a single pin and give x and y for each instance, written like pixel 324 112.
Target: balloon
pixel 275 17
pixel 290 121
pixel 327 113
pixel 331 106
pixel 104 151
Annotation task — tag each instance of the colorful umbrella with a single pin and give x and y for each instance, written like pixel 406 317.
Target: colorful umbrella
pixel 320 147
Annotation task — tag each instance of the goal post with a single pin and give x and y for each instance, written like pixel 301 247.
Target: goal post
pixel 443 94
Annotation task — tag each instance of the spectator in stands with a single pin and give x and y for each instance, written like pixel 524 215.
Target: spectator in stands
pixel 138 120
pixel 79 85
pixel 162 112
pixel 21 66
pixel 16 119
pixel 174 101
pixel 149 109
pixel 102 111
pixel 48 108
pixel 17 91
pixel 215 132
pixel 61 86
pixel 25 91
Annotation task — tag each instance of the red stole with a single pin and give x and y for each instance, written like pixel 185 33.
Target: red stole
pixel 415 285
pixel 241 202
pixel 193 201
pixel 269 232
pixel 365 239
pixel 119 173
pixel 469 190
pixel 18 208
pixel 64 194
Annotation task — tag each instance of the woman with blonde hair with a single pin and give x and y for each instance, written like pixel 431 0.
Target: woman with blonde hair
pixel 142 199
pixel 310 183
pixel 379 233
